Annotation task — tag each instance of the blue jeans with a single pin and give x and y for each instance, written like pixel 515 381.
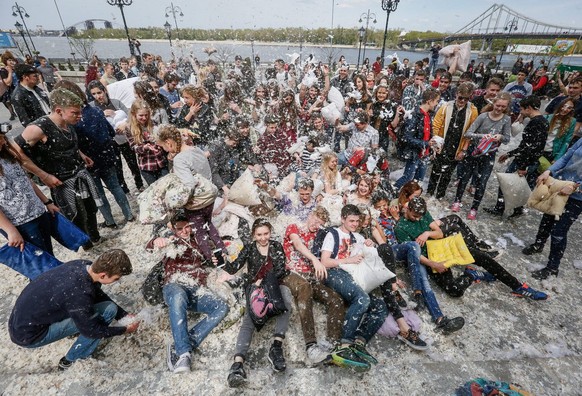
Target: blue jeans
pixel 365 314
pixel 37 232
pixel 181 299
pixel 109 177
pixel 83 346
pixel 414 169
pixel 410 252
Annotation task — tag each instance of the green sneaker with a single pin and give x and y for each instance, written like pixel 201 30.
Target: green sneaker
pixel 363 353
pixel 347 357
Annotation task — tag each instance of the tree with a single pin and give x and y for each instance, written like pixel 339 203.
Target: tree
pixel 84 46
pixel 223 54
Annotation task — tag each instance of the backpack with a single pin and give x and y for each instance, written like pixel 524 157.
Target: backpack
pixel 320 237
pixel 152 288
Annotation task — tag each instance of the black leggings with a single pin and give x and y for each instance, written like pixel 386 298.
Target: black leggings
pixel 387 256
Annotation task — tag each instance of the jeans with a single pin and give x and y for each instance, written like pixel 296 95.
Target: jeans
pixel 410 252
pixel 37 232
pixel 181 299
pixel 109 177
pixel 558 231
pixel 305 292
pixel 83 346
pixel 440 176
pixel 247 328
pixel 129 155
pixel 484 166
pixel 151 176
pixel 414 169
pixel 365 314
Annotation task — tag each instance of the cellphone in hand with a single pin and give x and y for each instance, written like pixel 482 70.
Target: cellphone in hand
pixel 219 257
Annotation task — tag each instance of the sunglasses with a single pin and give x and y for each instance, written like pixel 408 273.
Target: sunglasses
pixel 463 98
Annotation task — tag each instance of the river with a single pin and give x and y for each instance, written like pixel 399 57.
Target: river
pixel 57 47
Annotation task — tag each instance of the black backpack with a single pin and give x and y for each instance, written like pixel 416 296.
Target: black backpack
pixel 152 288
pixel 320 237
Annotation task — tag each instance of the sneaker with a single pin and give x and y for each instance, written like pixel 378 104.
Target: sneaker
pixel 544 273
pixel 399 299
pixel 526 291
pixel 494 253
pixel 448 326
pixel 478 275
pixel 418 299
pixel 532 249
pixel 495 211
pixel 456 207
pixel 183 364
pixel 347 357
pixel 472 215
pixel 12 116
pixel 277 358
pixel 484 246
pixel 326 346
pixel 111 226
pixel 413 340
pixel 64 364
pixel 363 353
pixel 517 212
pixel 177 364
pixel 317 354
pixel 236 375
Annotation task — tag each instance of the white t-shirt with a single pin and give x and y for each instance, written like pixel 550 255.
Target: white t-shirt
pixel 345 248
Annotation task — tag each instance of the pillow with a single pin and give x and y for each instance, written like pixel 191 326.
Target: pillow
pixel 546 199
pixel 515 190
pixel 152 205
pixel 452 250
pixel 371 272
pixel 330 113
pixel 335 96
pixel 244 191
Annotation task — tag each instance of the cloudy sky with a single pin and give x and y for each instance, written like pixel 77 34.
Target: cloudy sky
pixel 447 16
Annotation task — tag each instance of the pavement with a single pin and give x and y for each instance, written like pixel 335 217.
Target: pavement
pixel 534 344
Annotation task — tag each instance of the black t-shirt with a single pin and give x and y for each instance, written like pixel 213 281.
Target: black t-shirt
pixel 454 133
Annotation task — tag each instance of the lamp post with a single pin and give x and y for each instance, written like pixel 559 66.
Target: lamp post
pixel 121 4
pixel 174 10
pixel 18 27
pixel 367 16
pixel 511 25
pixel 168 32
pixel 388 6
pixel 361 34
pixel 19 10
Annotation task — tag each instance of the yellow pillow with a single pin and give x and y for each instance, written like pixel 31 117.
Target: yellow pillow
pixel 452 250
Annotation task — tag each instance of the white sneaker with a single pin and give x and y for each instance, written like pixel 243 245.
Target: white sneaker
pixel 316 354
pixel 326 345
pixel 183 364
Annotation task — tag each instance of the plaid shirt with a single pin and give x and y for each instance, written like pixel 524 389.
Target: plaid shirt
pixel 150 156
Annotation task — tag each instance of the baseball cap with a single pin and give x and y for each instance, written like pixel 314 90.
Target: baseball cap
pixel 23 69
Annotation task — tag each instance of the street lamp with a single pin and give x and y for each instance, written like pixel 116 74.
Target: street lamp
pixel 388 6
pixel 174 10
pixel 367 16
pixel 121 4
pixel 21 31
pixel 19 10
pixel 169 31
pixel 361 33
pixel 512 25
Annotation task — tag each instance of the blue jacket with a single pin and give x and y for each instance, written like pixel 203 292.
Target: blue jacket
pixel 569 167
pixel 96 138
pixel 412 137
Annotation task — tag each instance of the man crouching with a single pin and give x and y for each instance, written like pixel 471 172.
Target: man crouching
pixel 68 300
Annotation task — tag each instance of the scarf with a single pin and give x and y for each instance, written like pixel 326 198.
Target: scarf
pixel 426 132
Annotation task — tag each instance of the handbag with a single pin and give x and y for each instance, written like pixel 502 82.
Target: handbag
pixel 371 272
pixel 485 146
pixel 68 234
pixel 264 301
pixel 31 262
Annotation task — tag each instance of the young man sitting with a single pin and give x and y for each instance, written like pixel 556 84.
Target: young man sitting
pixel 68 300
pixel 306 274
pixel 184 281
pixel 418 225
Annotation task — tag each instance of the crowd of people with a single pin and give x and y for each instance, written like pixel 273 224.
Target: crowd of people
pixel 320 145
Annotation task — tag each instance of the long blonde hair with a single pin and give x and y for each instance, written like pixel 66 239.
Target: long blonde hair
pixel 135 128
pixel 329 176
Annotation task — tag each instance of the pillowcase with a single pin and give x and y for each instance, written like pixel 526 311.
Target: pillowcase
pixel 515 190
pixel 546 199
pixel 452 250
pixel 244 191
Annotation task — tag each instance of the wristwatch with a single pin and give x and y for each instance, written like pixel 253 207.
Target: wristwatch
pixel 50 201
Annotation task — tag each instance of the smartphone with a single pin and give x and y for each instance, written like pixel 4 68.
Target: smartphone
pixel 219 257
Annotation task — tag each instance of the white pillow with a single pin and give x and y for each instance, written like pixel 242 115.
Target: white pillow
pixel 515 190
pixel 244 191
pixel 371 272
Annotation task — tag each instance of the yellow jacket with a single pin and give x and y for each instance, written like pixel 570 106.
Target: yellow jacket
pixel 442 119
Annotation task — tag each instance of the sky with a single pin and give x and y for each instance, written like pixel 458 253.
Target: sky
pixel 422 15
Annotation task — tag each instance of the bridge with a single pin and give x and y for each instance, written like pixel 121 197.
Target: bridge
pixel 88 24
pixel 501 22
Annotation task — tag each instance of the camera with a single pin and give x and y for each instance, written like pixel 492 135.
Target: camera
pixel 5 127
